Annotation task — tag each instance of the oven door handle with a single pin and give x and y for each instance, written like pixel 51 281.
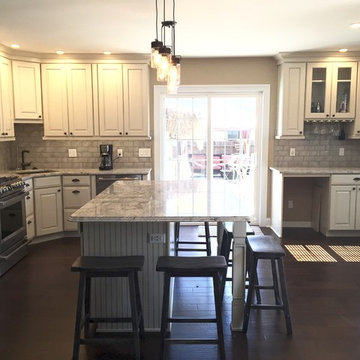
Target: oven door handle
pixel 13 200
pixel 6 257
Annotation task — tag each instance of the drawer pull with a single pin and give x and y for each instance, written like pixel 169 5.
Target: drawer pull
pixel 29 222
pixel 75 180
pixel 28 198
pixel 354 188
pixel 356 179
pixel 76 191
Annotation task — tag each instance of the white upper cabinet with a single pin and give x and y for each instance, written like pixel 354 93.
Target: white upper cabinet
pixel 67 99
pixel 123 99
pixel 136 98
pixel 6 101
pixel 27 91
pixel 330 90
pixel 111 110
pixel 291 97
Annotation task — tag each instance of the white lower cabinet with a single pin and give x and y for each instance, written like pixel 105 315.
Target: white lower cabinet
pixel 48 205
pixel 345 203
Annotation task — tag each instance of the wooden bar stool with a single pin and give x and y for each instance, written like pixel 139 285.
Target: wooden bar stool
pixel 102 266
pixel 200 266
pixel 265 247
pixel 178 242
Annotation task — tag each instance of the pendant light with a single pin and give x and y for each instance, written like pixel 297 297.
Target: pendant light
pixel 163 57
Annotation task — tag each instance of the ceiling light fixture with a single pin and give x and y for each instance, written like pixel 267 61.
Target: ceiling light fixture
pixel 60 52
pixel 15 46
pixel 355 25
pixel 343 50
pixel 107 52
pixel 163 57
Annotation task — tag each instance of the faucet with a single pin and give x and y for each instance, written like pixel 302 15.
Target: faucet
pixel 23 163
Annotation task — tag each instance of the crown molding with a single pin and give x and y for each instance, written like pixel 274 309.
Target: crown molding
pixel 317 56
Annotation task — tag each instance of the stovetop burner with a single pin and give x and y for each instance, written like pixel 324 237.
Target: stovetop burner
pixel 10 185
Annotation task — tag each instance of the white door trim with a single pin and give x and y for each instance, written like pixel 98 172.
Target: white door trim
pixel 160 91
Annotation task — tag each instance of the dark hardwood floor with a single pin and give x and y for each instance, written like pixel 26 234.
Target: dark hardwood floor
pixel 38 297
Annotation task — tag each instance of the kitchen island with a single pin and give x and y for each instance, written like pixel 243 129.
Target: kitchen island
pixel 136 218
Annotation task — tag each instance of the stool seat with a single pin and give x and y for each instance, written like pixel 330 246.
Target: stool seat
pixel 265 246
pixel 108 263
pixel 191 264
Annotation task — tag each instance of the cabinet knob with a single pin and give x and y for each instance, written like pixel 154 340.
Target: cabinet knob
pixel 6 134
pixel 356 179
pixel 126 133
pixel 39 116
pixel 333 115
pixel 28 198
pixel 65 133
pixel 59 190
pixel 71 134
pixel 358 131
pixel 300 132
pixel 120 133
pixel 29 222
pixel 354 188
pixel 327 115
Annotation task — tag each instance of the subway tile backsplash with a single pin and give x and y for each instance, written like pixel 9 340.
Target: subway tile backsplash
pixel 53 154
pixel 5 155
pixel 319 149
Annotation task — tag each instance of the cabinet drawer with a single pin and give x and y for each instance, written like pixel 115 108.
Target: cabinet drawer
pixel 76 180
pixel 345 179
pixel 75 197
pixel 30 227
pixel 29 203
pixel 69 225
pixel 45 182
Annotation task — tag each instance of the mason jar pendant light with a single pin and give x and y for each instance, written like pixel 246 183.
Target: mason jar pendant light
pixel 163 57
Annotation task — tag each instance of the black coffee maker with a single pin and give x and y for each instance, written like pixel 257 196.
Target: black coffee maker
pixel 106 153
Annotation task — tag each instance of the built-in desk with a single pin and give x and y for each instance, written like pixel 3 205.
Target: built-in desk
pixel 119 221
pixel 321 179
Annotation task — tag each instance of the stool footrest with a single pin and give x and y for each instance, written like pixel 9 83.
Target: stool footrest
pixel 110 320
pixel 192 242
pixel 189 249
pixel 191 320
pixel 267 307
pixel 103 340
pixel 192 341
pixel 264 287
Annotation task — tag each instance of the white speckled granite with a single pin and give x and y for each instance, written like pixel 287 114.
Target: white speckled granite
pixel 306 171
pixel 123 171
pixel 192 200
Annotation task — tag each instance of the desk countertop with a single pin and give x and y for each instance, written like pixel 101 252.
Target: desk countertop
pixel 305 171
pixel 153 201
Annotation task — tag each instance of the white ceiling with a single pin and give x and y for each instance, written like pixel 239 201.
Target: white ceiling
pixel 205 27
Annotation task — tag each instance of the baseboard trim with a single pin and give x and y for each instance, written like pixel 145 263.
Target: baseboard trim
pixel 297 224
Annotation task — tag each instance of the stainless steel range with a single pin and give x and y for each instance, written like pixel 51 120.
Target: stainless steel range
pixel 13 241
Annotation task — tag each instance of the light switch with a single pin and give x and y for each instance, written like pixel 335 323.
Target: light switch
pixel 341 151
pixel 144 152
pixel 72 153
pixel 292 151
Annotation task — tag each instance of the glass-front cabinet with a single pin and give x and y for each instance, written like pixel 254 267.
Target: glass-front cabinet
pixel 330 90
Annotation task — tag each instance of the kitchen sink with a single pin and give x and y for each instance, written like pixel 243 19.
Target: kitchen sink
pixel 33 171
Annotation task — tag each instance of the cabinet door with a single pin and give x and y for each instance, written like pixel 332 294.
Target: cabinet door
pixel 48 211
pixel 136 99
pixel 110 89
pixel 54 99
pixel 79 90
pixel 343 90
pixel 27 90
pixel 291 100
pixel 357 210
pixel 318 91
pixel 6 99
pixel 342 207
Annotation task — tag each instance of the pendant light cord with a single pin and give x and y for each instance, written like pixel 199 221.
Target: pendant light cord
pixel 157 20
pixel 174 26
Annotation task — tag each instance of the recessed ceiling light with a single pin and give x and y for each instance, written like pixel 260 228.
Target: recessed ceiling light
pixel 355 25
pixel 15 46
pixel 343 50
pixel 107 52
pixel 60 52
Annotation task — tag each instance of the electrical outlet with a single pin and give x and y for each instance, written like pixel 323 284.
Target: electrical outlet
pixel 156 238
pixel 72 153
pixel 119 153
pixel 292 151
pixel 290 204
pixel 341 151
pixel 144 152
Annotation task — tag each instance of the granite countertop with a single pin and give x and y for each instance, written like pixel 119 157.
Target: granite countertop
pixel 314 171
pixel 54 172
pixel 190 200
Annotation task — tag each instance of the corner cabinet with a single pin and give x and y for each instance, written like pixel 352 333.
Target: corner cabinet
pixel 67 100
pixel 331 90
pixel 27 92
pixel 123 97
pixel 291 95
pixel 6 101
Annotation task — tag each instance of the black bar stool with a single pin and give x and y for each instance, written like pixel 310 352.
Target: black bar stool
pixel 265 247
pixel 178 242
pixel 103 266
pixel 200 266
